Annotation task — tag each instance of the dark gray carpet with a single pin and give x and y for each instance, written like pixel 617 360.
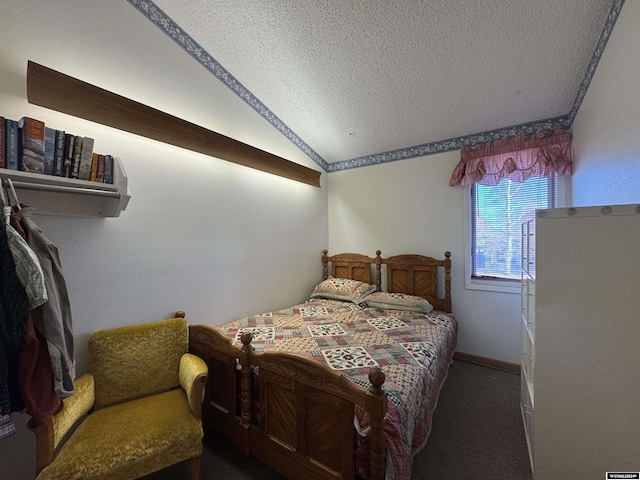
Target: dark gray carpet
pixel 477 434
pixel 477 429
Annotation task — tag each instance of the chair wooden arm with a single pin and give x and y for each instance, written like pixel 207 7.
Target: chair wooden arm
pixel 193 376
pixel 44 443
pixel 50 433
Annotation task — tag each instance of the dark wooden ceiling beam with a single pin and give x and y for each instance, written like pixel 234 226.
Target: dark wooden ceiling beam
pixel 57 91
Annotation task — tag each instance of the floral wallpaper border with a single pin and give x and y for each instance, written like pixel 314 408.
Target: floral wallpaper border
pixel 166 24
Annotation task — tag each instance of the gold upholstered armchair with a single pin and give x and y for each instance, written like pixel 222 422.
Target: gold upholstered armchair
pixel 137 411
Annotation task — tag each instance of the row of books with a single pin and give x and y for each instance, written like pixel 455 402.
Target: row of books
pixel 29 145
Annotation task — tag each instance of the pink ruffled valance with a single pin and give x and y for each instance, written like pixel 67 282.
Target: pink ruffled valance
pixel 517 159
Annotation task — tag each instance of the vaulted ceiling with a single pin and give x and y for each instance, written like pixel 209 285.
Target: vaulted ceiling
pixel 360 82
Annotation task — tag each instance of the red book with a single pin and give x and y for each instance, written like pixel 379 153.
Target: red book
pixel 100 175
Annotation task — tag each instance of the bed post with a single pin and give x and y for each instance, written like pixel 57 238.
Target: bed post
pixel 378 271
pixel 377 408
pixel 447 281
pixel 246 382
pixel 325 266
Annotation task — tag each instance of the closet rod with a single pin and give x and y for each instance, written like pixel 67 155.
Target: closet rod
pixel 63 189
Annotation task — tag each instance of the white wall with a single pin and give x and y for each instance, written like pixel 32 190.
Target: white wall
pixel 215 239
pixel 208 236
pixel 606 131
pixel 409 207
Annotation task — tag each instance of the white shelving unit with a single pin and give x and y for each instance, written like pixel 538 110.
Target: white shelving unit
pixel 580 336
pixel 528 318
pixel 51 195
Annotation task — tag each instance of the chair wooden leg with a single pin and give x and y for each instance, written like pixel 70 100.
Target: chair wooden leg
pixel 195 467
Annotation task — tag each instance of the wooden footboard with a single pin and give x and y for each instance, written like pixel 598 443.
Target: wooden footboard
pixel 301 419
pixel 223 402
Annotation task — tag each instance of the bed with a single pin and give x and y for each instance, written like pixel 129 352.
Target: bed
pixel 343 385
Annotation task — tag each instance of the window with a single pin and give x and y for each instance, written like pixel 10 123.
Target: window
pixel 496 215
pixel 507 180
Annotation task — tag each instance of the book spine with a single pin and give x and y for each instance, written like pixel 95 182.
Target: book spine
pixel 58 165
pixel 3 142
pixel 77 154
pixel 32 151
pixel 49 150
pixel 100 173
pixel 108 169
pixel 11 159
pixel 94 167
pixel 69 145
pixel 86 157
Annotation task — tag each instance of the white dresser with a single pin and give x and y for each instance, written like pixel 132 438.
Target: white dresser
pixel 581 341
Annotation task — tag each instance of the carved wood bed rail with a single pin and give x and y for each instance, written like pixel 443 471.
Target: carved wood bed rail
pixel 302 418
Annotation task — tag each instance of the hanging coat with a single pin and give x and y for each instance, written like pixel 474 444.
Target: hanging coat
pixel 53 318
pixel 14 306
pixel 35 375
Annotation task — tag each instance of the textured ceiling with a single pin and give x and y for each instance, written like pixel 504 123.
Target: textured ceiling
pixel 359 81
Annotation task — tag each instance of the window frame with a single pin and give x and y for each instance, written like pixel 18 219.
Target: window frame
pixel 563 198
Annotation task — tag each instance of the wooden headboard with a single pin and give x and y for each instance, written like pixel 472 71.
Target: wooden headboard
pixel 354 266
pixel 411 274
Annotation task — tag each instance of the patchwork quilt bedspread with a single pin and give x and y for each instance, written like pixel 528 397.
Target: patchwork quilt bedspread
pixel 414 350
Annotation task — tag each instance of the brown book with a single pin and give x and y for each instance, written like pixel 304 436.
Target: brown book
pixel 94 167
pixel 31 157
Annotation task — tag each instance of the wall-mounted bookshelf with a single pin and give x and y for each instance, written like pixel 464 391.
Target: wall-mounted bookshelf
pixel 51 195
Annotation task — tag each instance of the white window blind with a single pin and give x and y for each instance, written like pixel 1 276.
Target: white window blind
pixel 497 213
